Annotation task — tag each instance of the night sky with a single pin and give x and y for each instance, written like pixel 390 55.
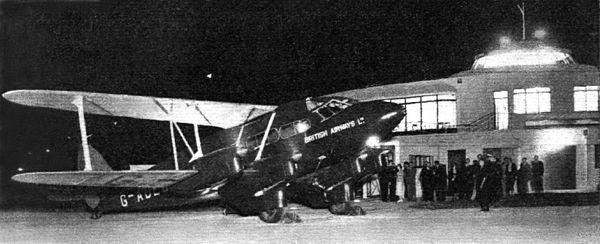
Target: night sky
pixel 260 51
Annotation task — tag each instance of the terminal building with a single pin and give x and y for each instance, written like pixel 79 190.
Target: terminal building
pixel 518 101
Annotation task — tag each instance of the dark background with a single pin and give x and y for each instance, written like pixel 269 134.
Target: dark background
pixel 261 51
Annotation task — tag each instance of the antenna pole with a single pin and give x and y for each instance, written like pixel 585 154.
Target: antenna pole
pixel 522 9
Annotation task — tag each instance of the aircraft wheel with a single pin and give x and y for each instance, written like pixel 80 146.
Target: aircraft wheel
pixel 340 208
pixel 289 218
pixel 346 208
pixel 272 215
pixel 96 214
pixel 227 210
pixel 357 210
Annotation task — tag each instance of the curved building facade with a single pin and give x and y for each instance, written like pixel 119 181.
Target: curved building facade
pixel 540 103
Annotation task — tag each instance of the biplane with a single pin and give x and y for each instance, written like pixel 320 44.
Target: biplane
pixel 314 152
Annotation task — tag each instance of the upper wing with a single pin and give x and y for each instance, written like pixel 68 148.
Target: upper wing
pixel 107 179
pixel 206 113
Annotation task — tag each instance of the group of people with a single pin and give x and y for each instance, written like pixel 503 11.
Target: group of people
pixel 434 182
pixel 485 179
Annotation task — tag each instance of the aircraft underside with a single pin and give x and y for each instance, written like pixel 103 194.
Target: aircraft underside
pixel 263 191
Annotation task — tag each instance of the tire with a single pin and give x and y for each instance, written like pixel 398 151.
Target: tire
pixel 272 215
pixel 339 208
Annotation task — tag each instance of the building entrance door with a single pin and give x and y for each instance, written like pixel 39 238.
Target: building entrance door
pixel 455 159
pixel 560 169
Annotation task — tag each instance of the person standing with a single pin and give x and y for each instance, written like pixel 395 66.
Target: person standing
pixel 426 179
pixel 409 182
pixel 460 181
pixel 453 188
pixel 509 173
pixel 400 188
pixel 523 177
pixel 474 169
pixel 537 173
pixel 487 183
pixel 440 181
pixel 387 180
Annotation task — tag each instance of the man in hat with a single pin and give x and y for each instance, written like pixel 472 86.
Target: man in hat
pixel 523 177
pixel 537 173
pixel 487 183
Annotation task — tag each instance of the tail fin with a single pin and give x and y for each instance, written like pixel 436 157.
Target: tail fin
pixel 98 162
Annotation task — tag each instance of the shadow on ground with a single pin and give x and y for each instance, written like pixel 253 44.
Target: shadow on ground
pixel 529 200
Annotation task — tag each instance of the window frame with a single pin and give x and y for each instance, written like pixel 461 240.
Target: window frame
pixel 293 126
pixel 586 90
pixel 403 126
pixel 501 96
pixel 521 95
pixel 340 106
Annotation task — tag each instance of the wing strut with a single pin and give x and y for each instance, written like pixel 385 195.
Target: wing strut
pixel 265 136
pixel 174 145
pixel 78 102
pixel 187 144
pixel 197 136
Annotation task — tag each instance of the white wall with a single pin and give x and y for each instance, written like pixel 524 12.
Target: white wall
pixel 526 143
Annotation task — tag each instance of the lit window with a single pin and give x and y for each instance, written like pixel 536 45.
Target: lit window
pixel 294 128
pixel 501 109
pixel 585 98
pixel 432 112
pixel 413 116
pixel 429 115
pixel 532 100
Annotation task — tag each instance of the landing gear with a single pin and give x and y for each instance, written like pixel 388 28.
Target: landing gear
pixel 227 210
pixel 92 203
pixel 96 213
pixel 346 208
pixel 277 215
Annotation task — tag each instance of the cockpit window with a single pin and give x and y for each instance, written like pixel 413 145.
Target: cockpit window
pixel 331 108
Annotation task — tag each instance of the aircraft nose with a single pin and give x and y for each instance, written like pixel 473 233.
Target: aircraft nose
pixel 391 114
pixel 392 111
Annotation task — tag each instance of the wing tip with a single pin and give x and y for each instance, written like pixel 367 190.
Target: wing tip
pixel 23 178
pixel 9 95
pixel 19 96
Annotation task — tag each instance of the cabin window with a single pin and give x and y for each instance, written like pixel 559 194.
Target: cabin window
pixel 532 100
pixel 501 109
pixel 434 112
pixel 254 141
pixel 585 98
pixel 294 128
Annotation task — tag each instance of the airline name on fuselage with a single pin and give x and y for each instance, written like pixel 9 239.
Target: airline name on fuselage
pixel 333 130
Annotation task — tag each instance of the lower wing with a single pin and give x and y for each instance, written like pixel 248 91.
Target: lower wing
pixel 103 181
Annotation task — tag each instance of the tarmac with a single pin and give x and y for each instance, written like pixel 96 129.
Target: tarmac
pixel 385 222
